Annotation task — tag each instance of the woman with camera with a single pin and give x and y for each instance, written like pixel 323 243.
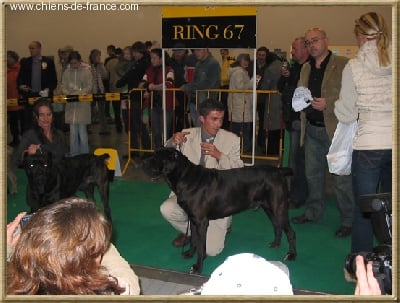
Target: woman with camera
pixel 65 249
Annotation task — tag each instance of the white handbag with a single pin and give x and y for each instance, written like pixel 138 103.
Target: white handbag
pixel 341 149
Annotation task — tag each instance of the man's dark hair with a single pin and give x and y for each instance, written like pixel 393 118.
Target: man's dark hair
pixel 139 46
pixel 74 55
pixel 210 105
pixel 111 47
pixel 263 49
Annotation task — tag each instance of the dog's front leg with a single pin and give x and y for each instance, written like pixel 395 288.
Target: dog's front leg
pixel 200 246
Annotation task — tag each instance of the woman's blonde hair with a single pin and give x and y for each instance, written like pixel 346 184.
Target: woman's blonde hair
pixel 59 250
pixel 373 27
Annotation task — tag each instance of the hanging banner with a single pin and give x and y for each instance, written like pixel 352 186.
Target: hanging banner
pixel 209 27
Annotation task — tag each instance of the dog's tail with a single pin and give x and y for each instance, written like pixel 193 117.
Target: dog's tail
pixel 286 171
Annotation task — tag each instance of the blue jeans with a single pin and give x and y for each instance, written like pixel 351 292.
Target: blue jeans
pixel 194 114
pixel 317 145
pixel 372 173
pixel 298 182
pixel 78 139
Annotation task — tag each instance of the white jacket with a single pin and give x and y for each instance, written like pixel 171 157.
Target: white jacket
pixel 366 95
pixel 77 81
pixel 240 105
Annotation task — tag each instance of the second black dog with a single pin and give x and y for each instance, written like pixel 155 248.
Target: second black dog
pixel 209 194
pixel 48 183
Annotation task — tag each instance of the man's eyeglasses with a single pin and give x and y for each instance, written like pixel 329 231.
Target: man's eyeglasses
pixel 313 41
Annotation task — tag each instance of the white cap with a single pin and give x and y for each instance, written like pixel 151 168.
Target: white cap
pixel 247 274
pixel 301 98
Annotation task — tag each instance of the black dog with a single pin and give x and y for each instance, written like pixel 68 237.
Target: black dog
pixel 209 194
pixel 48 183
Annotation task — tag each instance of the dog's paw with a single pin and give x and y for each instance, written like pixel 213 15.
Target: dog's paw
pixel 290 256
pixel 194 270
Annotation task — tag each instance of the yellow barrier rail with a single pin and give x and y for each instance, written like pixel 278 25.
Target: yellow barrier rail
pixel 187 122
pixel 277 159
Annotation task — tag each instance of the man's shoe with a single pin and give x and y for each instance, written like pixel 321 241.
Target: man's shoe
pixel 181 240
pixel 300 219
pixel 343 232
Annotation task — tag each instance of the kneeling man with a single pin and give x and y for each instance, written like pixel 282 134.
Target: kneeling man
pixel 213 147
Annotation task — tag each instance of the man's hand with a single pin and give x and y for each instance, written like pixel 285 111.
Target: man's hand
pixel 179 137
pixel 210 150
pixel 319 104
pixel 285 72
pixel 366 282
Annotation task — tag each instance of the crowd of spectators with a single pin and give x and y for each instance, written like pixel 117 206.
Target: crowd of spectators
pixel 190 73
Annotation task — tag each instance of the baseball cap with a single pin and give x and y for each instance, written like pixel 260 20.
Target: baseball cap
pixel 248 274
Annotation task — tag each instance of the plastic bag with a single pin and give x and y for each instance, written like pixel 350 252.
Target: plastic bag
pixel 341 149
pixel 301 98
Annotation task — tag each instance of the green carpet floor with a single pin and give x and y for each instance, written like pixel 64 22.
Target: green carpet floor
pixel 143 237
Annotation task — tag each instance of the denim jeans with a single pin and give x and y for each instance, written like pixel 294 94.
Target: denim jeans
pixel 372 173
pixel 194 114
pixel 317 145
pixel 298 182
pixel 78 139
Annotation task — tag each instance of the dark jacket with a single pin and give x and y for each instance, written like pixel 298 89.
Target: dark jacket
pixel 49 75
pixel 134 76
pixel 58 147
pixel 287 86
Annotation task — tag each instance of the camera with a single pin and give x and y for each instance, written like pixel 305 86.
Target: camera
pixel 25 219
pixel 22 223
pixel 381 258
pixel 379 208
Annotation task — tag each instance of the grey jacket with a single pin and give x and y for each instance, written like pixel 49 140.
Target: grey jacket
pixel 207 75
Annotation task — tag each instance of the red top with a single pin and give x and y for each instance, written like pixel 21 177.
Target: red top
pixel 154 75
pixel 12 89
